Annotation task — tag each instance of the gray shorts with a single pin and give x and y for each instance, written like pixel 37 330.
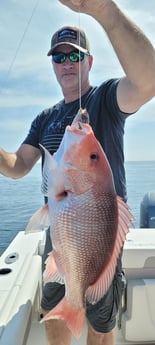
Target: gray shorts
pixel 102 315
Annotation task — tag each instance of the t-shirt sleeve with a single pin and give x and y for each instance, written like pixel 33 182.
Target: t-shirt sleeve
pixel 33 137
pixel 111 99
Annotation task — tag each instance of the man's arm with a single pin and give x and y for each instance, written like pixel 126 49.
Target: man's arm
pixel 18 164
pixel 134 51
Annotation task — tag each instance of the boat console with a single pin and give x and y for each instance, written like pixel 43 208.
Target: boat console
pixel 137 315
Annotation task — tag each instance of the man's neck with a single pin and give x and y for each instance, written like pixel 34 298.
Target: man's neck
pixel 73 95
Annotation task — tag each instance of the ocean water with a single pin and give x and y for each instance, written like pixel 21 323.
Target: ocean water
pixel 19 199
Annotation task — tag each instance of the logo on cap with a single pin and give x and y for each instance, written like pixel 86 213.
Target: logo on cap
pixel 67 34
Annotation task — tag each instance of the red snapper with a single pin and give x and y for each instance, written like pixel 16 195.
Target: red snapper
pixel 88 221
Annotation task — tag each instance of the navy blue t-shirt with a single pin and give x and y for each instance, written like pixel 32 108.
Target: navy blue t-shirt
pixel 106 120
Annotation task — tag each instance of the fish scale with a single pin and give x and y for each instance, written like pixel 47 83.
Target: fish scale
pixel 73 236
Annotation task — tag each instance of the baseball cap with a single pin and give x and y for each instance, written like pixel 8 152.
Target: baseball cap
pixel 72 36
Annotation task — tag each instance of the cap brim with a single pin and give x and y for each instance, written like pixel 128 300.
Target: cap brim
pixel 70 44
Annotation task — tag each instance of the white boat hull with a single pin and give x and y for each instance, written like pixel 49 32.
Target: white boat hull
pixel 21 281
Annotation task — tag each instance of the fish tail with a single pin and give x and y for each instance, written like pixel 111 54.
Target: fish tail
pixel 73 317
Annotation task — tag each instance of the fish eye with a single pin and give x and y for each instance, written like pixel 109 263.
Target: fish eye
pixel 94 156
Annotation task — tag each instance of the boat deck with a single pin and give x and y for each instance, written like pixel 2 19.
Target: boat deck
pixel 37 336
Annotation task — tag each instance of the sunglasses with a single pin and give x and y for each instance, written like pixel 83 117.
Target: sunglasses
pixel 74 56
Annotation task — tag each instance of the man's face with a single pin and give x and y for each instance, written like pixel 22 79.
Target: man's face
pixel 70 73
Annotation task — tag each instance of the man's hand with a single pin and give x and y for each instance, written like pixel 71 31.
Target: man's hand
pixel 76 5
pixel 85 6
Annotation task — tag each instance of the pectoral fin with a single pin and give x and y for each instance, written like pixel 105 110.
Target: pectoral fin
pixel 39 221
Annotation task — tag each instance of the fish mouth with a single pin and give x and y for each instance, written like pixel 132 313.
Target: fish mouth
pixel 81 117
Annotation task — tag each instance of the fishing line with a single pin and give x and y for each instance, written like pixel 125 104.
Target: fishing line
pixel 80 86
pixel 22 37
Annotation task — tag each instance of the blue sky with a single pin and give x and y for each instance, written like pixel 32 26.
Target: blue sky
pixel 27 82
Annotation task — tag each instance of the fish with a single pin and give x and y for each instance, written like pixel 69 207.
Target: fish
pixel 88 221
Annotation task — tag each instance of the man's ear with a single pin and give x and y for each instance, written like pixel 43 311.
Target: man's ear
pixel 90 61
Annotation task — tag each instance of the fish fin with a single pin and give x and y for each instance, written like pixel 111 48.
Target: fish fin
pixel 97 290
pixel 73 317
pixel 125 216
pixel 51 273
pixel 52 173
pixel 49 165
pixel 39 221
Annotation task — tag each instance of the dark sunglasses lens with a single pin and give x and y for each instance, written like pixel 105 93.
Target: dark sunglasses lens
pixel 59 57
pixel 76 56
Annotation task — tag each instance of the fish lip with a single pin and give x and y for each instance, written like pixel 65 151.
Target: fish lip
pixel 82 117
pixel 79 127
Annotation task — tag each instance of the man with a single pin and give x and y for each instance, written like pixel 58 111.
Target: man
pixel 108 106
